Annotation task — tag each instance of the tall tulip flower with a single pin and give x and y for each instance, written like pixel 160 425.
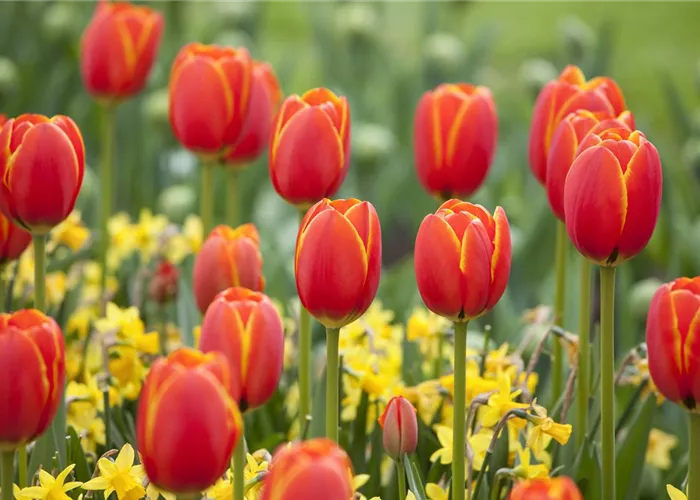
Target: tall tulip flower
pixel 228 258
pixel 557 488
pixel 462 264
pixel 118 49
pixel 317 468
pixel 568 93
pixel 310 147
pixel 13 241
pixel 454 139
pixel 186 446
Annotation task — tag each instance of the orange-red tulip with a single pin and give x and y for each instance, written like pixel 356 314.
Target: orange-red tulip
pixel 13 240
pixel 229 257
pixel 310 147
pixel 462 259
pixel 673 341
pixel 265 96
pixel 32 374
pixel 557 488
pixel 164 282
pixel 338 260
pixel 565 142
pixel 454 139
pixel 42 162
pixel 612 195
pixel 187 422
pixel 245 327
pixel 568 93
pixel 118 49
pixel 399 427
pixel 316 468
pixel 210 89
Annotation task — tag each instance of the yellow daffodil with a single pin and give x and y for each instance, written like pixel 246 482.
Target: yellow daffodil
pixel 544 425
pixel 79 322
pixel 525 469
pixel 153 493
pixel 222 489
pixel 444 453
pixel 478 444
pixel 126 367
pixel 56 287
pixel 71 233
pixel 120 476
pixel 51 488
pixel 674 493
pixel 659 448
pixel 498 360
pixel 435 492
pixel 19 494
pixel 501 402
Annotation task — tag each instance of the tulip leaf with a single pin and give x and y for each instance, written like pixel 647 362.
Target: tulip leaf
pixel 415 481
pixel 630 453
pixel 375 463
pixel 77 456
pixel 358 447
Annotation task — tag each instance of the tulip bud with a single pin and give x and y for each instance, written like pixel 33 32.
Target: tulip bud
pixel 462 259
pixel 400 427
pixel 246 328
pixel 187 422
pixel 32 375
pixel 555 488
pixel 310 147
pixel 454 138
pixel 612 195
pixel 564 147
pixel 163 285
pixel 210 89
pixel 569 93
pixel 228 258
pixel 317 468
pixel 265 95
pixel 13 241
pixel 673 347
pixel 338 260
pixel 42 162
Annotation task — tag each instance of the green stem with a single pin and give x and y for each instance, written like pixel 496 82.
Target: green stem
pixel 8 474
pixel 162 331
pixel 559 301
pixel 106 190
pixel 239 470
pixel 40 272
pixel 206 198
pixel 232 196
pixel 304 361
pixel 584 355
pixel 106 415
pixel 607 379
pixel 22 466
pixel 401 474
pixel 459 416
pixel 332 339
pixel 694 457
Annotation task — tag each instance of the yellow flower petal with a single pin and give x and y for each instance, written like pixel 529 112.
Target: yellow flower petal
pixel 98 483
pixel 674 493
pixel 125 459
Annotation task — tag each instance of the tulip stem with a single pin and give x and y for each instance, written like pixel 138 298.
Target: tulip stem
pixel 232 201
pixel 607 374
pixel 8 473
pixel 332 340
pixel 22 465
pixel 694 457
pixel 206 198
pixel 304 367
pixel 39 241
pixel 584 355
pixel 459 417
pixel 239 470
pixel 401 473
pixel 559 301
pixel 106 178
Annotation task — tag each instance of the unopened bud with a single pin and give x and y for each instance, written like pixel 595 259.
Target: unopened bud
pixel 400 427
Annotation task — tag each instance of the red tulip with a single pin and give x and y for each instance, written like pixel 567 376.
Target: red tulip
pixel 400 427
pixel 42 162
pixel 265 95
pixel 462 259
pixel 164 282
pixel 556 488
pixel 454 139
pixel 118 49
pixel 13 240
pixel 673 341
pixel 246 328
pixel 564 146
pixel 612 195
pixel 316 468
pixel 32 375
pixel 187 422
pixel 310 147
pixel 210 89
pixel 569 93
pixel 228 258
pixel 338 260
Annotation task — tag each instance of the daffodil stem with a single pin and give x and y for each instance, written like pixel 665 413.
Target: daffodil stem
pixel 232 196
pixel 694 457
pixel 239 470
pixel 206 197
pixel 459 415
pixel 559 301
pixel 39 241
pixel 607 379
pixel 401 474
pixel 332 340
pixel 106 188
pixel 8 474
pixel 22 465
pixel 584 355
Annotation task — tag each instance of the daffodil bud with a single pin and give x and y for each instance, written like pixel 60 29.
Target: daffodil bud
pixel 400 427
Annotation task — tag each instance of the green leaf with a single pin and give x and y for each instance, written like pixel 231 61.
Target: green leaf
pixel 317 427
pixel 499 458
pixel 587 472
pixel 415 482
pixel 358 447
pixel 629 459
pixel 187 313
pixel 81 471
pixel 375 463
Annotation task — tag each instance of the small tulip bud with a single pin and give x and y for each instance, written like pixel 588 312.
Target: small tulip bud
pixel 163 286
pixel 400 427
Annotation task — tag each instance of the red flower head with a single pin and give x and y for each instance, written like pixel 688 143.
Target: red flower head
pixel 163 285
pixel 399 427
pixel 13 240
pixel 556 488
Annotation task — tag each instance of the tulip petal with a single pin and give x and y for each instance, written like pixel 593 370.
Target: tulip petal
pixel 559 161
pixel 475 265
pixel 501 258
pixel 691 355
pixel 426 145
